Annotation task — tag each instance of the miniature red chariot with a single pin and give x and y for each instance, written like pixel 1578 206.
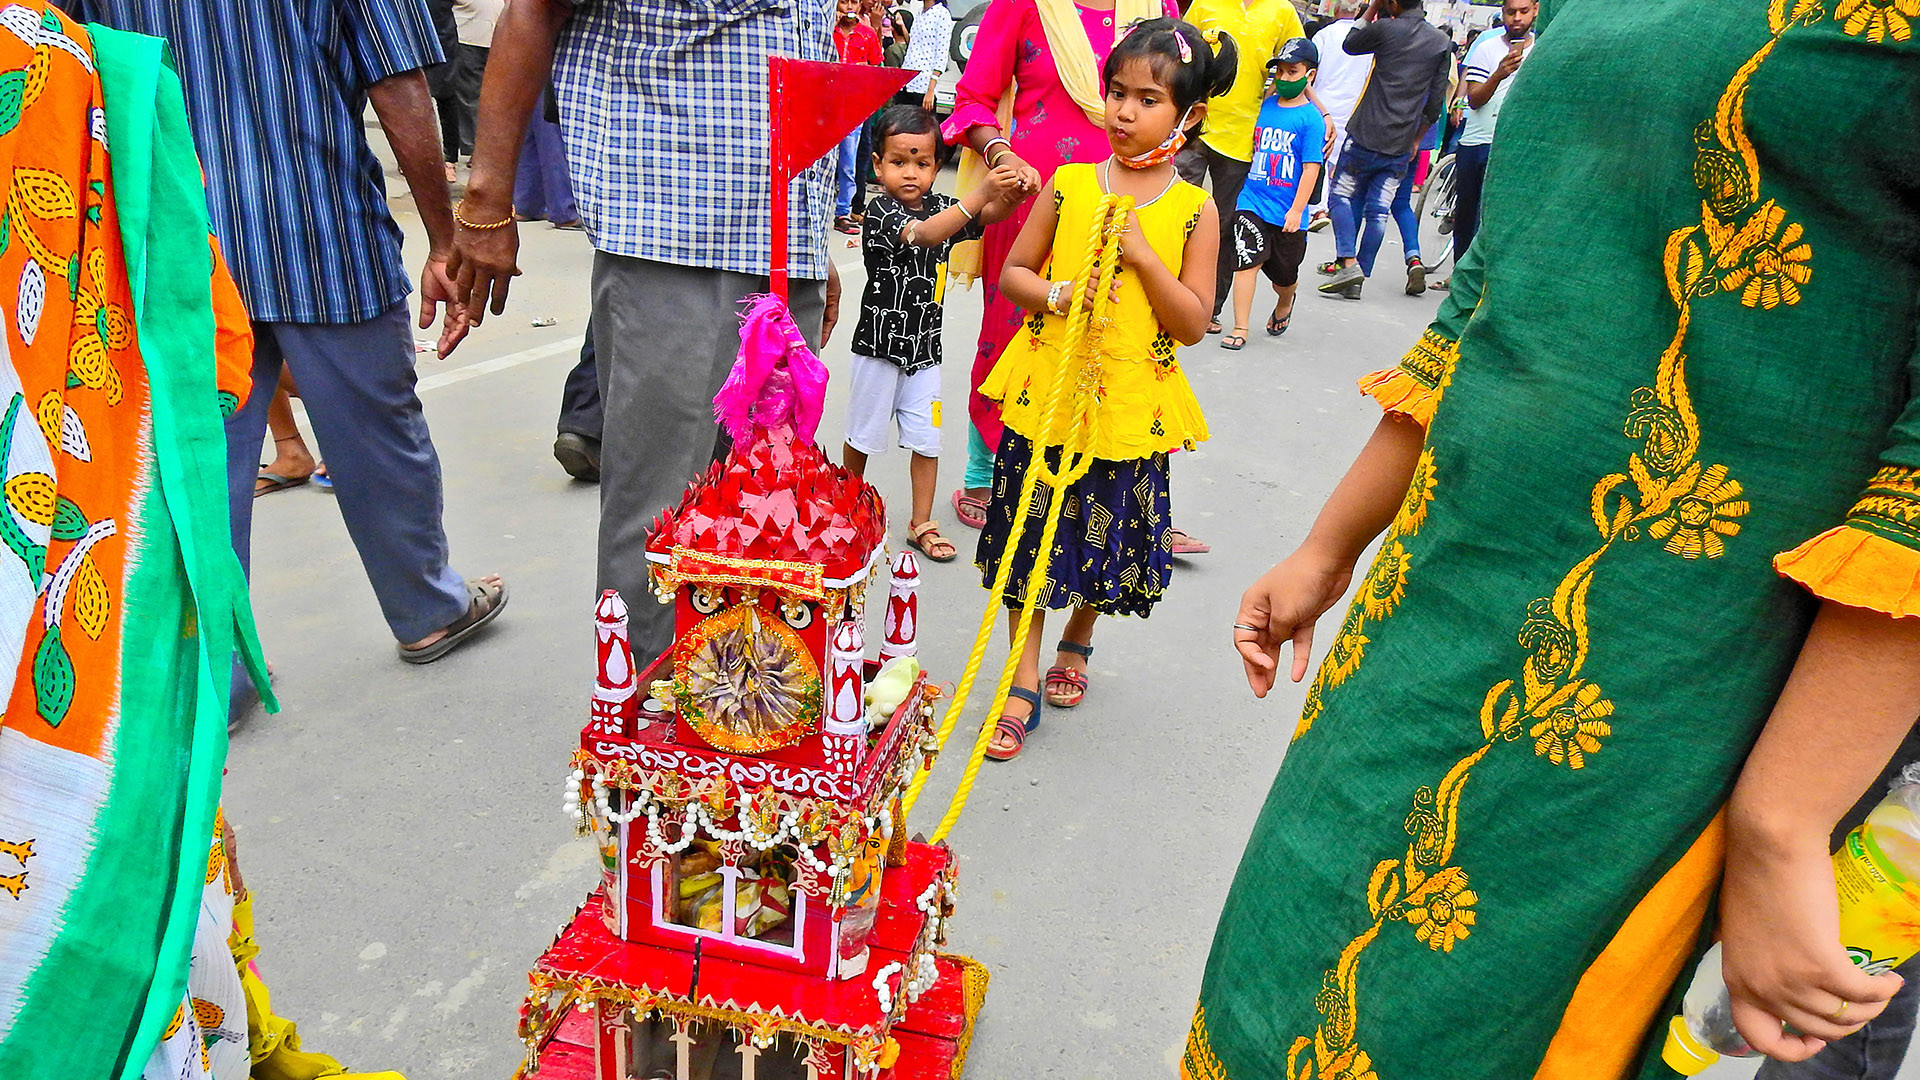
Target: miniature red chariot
pixel 762 913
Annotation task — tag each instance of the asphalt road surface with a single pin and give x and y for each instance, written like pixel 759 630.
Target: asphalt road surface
pixel 401 826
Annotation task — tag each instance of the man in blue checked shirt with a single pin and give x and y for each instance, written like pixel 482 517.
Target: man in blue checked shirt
pixel 300 206
pixel 663 110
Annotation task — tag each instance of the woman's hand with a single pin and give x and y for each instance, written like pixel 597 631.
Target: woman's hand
pixel 1029 176
pixel 1282 606
pixel 1782 961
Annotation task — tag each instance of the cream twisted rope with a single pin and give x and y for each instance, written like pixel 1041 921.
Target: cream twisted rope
pixel 1072 429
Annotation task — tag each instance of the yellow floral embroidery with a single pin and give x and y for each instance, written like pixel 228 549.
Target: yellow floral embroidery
pixel 1571 723
pixel 1444 913
pixel 1388 582
pixel 1765 263
pixel 1742 247
pixel 1701 517
pixel 1200 1062
pixel 1879 20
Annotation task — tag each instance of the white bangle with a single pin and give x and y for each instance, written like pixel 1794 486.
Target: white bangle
pixel 963 209
pixel 1053 296
pixel 987 150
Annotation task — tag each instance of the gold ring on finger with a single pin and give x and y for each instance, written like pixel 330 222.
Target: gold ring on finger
pixel 1840 1013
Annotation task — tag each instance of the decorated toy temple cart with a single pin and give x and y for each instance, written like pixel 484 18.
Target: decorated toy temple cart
pixel 762 914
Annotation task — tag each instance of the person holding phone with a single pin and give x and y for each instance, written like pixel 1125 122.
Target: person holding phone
pixel 1491 65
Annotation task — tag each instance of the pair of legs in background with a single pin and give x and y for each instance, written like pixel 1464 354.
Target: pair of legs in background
pixel 1196 164
pixel 1367 189
pixel 357 383
pixel 883 397
pixel 1259 245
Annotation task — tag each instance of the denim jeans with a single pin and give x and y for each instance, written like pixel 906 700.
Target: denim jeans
pixel 849 171
pixel 1469 178
pixel 1376 230
pixel 1366 183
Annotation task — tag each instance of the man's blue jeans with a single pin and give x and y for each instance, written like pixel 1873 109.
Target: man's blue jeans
pixel 1364 184
pixel 1469 179
pixel 849 171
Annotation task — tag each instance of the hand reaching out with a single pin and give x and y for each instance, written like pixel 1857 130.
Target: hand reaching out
pixel 437 288
pixel 1280 607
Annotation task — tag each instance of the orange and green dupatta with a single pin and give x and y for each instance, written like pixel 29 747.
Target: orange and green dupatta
pixel 120 598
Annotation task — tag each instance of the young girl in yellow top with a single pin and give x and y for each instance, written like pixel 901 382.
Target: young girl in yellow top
pixel 1112 552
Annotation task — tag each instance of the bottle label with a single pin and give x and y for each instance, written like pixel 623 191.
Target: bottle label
pixel 1879 905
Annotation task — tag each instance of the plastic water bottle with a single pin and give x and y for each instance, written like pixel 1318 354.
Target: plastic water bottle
pixel 1876 874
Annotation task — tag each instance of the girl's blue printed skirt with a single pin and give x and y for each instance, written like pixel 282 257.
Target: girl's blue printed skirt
pixel 1113 551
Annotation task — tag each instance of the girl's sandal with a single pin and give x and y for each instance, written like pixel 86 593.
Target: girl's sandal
pixel 1065 686
pixel 926 539
pixel 971 511
pixel 1214 327
pixel 1012 729
pixel 1235 341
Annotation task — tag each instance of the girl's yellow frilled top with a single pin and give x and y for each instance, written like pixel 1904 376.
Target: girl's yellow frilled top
pixel 1144 404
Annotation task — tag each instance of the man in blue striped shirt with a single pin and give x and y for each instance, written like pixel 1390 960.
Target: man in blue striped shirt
pixel 275 92
pixel 663 110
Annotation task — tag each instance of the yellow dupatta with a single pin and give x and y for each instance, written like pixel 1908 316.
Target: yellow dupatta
pixel 1079 73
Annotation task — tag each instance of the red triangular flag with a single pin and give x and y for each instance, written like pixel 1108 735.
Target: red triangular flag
pixel 815 105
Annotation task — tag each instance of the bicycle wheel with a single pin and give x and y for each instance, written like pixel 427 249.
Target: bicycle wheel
pixel 1435 211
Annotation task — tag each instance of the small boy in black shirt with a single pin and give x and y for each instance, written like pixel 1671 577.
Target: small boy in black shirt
pixel 896 348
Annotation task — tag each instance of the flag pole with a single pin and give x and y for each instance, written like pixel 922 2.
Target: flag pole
pixel 776 142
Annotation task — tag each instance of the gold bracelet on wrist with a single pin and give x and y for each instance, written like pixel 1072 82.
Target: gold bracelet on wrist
pixel 460 219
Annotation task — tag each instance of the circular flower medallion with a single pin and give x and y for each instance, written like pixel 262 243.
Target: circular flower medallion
pixel 746 683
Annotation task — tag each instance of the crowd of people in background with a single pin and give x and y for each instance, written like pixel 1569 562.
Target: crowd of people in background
pixel 1238 130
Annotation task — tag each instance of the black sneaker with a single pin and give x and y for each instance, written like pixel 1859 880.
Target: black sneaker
pixel 1416 277
pixel 579 455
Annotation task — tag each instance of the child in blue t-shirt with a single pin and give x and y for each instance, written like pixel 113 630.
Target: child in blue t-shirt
pixel 1269 233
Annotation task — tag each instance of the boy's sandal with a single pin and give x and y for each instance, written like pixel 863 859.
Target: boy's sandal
pixel 1012 729
pixel 1235 341
pixel 1065 686
pixel 926 539
pixel 1278 324
pixel 971 511
pixel 1214 327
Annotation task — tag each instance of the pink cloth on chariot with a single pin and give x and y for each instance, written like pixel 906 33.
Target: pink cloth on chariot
pixel 1049 130
pixel 777 381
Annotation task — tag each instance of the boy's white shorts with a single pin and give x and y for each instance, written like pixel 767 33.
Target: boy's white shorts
pixel 882 395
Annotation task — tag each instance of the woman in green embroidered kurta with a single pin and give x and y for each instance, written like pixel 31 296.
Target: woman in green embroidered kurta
pixel 1682 345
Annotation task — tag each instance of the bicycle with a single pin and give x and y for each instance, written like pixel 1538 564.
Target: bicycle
pixel 1435 214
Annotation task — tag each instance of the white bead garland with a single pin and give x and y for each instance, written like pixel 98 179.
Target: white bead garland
pixel 882 991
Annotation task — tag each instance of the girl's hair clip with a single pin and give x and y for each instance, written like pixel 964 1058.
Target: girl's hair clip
pixel 1186 50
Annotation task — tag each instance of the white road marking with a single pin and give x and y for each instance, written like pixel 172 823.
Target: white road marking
pixel 498 363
